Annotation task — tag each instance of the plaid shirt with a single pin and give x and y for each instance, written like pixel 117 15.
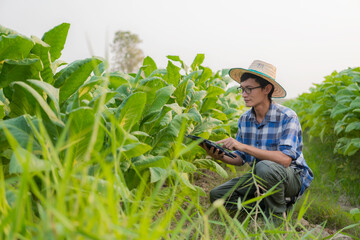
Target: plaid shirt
pixel 279 131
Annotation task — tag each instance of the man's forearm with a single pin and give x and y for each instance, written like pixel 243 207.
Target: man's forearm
pixel 275 156
pixel 238 161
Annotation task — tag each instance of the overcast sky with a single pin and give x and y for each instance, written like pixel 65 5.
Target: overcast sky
pixel 306 40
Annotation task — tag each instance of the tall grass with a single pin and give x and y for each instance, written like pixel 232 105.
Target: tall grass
pixel 88 198
pixel 66 202
pixel 331 194
pixel 71 200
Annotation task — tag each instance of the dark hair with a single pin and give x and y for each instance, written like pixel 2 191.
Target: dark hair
pixel 263 83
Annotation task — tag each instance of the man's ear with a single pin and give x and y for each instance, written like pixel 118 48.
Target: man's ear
pixel 268 88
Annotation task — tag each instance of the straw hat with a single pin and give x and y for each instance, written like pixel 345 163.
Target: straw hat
pixel 261 69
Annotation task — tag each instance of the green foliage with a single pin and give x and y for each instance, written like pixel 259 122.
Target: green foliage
pixel 335 186
pixel 330 115
pixel 65 134
pixel 88 153
pixel 332 110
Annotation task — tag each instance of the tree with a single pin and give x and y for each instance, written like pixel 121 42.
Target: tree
pixel 127 55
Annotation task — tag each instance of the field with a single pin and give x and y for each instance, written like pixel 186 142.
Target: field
pixel 91 154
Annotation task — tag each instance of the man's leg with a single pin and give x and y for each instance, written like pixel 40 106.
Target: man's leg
pixel 242 187
pixel 272 173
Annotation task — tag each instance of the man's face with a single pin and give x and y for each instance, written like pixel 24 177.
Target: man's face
pixel 257 94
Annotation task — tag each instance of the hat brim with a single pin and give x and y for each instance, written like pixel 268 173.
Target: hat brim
pixel 236 73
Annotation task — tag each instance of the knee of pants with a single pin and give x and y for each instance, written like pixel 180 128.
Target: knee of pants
pixel 213 196
pixel 265 172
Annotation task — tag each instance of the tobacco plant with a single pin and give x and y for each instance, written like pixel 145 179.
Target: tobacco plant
pixel 332 110
pixel 78 126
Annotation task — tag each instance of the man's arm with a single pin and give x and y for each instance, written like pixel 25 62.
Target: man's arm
pixel 275 156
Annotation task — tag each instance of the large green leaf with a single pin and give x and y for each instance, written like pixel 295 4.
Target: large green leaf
pixel 199 59
pixel 162 96
pixel 206 126
pixel 27 100
pixel 353 127
pixel 51 92
pixel 184 179
pixel 356 103
pixel 339 127
pixel 209 104
pixel 117 79
pixel 219 115
pixel 71 78
pixel 205 75
pixel 135 149
pixel 166 137
pixel 177 59
pixel 151 161
pixel 211 165
pixel 19 70
pixel 352 147
pixel 184 166
pixel 82 122
pixel 214 91
pixel 150 66
pixel 22 158
pixel 42 49
pixel 175 107
pixel 338 111
pixel 130 111
pixel 108 96
pixel 180 92
pixel 20 130
pixel 56 38
pixel 15 47
pixel 89 85
pixel 195 115
pixel 153 80
pixel 153 123
pixel 173 74
pixel 344 96
pixel 197 97
pixel 157 173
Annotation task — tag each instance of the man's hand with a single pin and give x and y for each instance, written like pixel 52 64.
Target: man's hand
pixel 231 144
pixel 215 153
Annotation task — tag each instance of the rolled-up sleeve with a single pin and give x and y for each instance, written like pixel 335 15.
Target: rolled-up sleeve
pixel 290 141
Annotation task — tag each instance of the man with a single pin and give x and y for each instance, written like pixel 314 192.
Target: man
pixel 269 136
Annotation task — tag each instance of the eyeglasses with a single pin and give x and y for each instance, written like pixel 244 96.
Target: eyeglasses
pixel 247 89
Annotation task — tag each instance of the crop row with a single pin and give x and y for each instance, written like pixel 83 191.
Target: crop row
pixel 80 121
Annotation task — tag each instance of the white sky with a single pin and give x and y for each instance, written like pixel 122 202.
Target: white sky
pixel 306 40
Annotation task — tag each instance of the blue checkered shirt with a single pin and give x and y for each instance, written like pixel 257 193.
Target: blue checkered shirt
pixel 279 131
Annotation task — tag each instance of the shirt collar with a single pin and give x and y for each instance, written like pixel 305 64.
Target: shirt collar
pixel 270 115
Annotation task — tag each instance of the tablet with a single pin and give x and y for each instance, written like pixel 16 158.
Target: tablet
pixel 210 144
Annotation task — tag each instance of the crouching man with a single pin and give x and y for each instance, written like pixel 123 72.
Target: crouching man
pixel 269 136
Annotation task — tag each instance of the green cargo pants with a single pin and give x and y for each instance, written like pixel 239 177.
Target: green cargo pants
pixel 271 174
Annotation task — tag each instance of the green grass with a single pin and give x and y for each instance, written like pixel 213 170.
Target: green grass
pixel 66 202
pixel 334 192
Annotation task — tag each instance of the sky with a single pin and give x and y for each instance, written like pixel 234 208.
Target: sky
pixel 306 40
